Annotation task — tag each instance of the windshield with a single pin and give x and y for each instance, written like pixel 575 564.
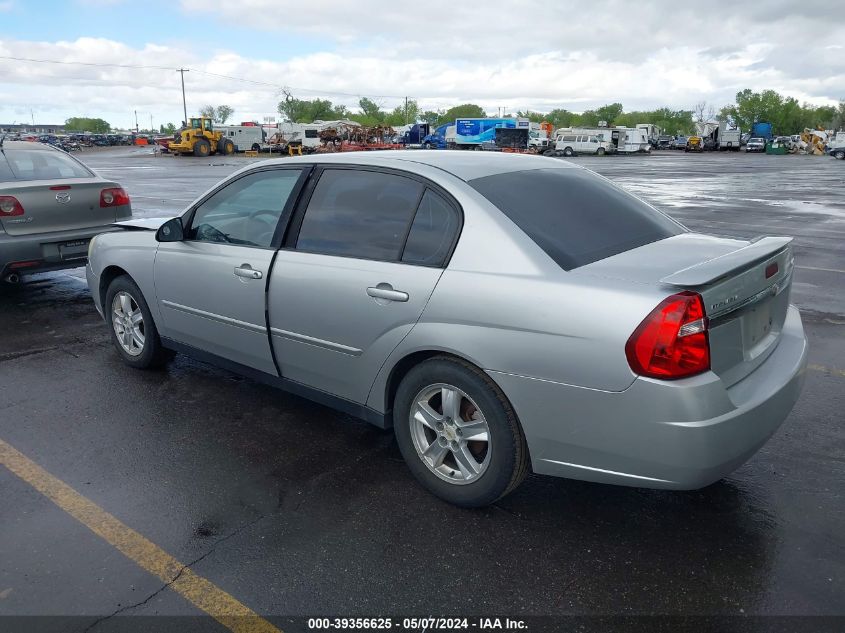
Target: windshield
pixel 575 216
pixel 38 164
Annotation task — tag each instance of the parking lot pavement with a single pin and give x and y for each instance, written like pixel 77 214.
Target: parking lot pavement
pixel 292 509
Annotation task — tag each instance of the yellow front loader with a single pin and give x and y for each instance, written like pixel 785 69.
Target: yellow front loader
pixel 200 139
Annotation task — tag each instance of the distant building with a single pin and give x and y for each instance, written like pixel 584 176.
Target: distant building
pixel 28 128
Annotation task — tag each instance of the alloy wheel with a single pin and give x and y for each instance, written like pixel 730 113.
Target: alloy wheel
pixel 128 323
pixel 450 433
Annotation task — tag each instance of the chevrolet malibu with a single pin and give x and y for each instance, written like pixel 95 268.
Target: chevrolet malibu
pixel 50 207
pixel 500 312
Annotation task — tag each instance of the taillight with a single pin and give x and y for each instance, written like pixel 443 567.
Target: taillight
pixel 10 206
pixel 113 197
pixel 671 342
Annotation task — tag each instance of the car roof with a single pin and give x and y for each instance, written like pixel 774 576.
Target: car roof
pixel 466 165
pixel 7 145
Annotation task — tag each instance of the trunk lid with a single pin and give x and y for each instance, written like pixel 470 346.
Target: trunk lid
pixel 745 287
pixel 60 205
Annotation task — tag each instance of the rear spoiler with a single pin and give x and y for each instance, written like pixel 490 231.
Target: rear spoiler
pixel 713 269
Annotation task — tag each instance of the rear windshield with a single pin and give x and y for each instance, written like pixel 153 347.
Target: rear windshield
pixel 575 216
pixel 39 164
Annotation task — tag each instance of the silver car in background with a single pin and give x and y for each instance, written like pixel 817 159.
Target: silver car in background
pixel 51 205
pixel 500 312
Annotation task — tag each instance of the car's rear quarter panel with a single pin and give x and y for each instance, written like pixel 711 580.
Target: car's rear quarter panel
pixel 569 330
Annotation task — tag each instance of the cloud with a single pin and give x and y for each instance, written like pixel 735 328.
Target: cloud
pixel 528 55
pixel 6 6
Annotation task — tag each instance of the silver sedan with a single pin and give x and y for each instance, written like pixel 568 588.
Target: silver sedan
pixel 500 312
pixel 51 205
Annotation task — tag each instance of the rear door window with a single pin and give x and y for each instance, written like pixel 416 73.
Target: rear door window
pixel 433 231
pixel 575 216
pixel 359 213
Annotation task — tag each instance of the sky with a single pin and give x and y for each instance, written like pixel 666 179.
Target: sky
pixel 515 55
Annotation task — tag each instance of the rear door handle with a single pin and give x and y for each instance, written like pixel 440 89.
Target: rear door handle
pixel 248 272
pixel 386 291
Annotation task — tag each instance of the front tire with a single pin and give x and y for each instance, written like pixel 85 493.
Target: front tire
pixel 568 151
pixel 839 154
pixel 202 148
pixel 600 151
pixel 458 433
pixel 133 331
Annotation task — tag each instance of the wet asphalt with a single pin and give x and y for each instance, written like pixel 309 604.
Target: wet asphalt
pixel 297 510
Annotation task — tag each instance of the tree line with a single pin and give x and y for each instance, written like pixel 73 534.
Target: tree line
pixel 786 114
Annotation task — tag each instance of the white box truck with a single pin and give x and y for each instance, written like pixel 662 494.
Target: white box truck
pixel 245 137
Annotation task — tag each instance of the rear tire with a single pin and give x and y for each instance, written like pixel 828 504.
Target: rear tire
pixel 202 148
pixel 465 472
pixel 255 147
pixel 840 155
pixel 225 147
pixel 133 331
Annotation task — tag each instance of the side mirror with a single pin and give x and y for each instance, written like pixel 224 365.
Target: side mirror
pixel 171 231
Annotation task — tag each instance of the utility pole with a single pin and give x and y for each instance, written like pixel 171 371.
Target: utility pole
pixel 406 110
pixel 182 71
pixel 151 123
pixel 136 121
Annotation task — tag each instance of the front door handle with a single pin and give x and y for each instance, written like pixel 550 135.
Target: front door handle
pixel 248 272
pixel 386 291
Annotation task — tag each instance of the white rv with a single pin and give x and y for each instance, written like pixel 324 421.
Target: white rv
pixel 636 142
pixel 305 134
pixel 651 132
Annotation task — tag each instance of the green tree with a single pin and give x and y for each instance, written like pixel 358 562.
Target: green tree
pixel 560 117
pixel 85 124
pixel 609 112
pixel 307 111
pixel 431 117
pixel 534 117
pixel 220 114
pixel 403 114
pixel 463 111
pixel 167 129
pixel 371 111
pixel 786 114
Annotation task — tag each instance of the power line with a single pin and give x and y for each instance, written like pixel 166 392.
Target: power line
pixel 99 64
pixel 203 72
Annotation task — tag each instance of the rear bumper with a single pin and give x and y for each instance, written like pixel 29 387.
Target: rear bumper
pixel 44 249
pixel 681 435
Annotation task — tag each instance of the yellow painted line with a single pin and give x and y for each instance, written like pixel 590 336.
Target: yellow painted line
pixel 828 370
pixel 194 588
